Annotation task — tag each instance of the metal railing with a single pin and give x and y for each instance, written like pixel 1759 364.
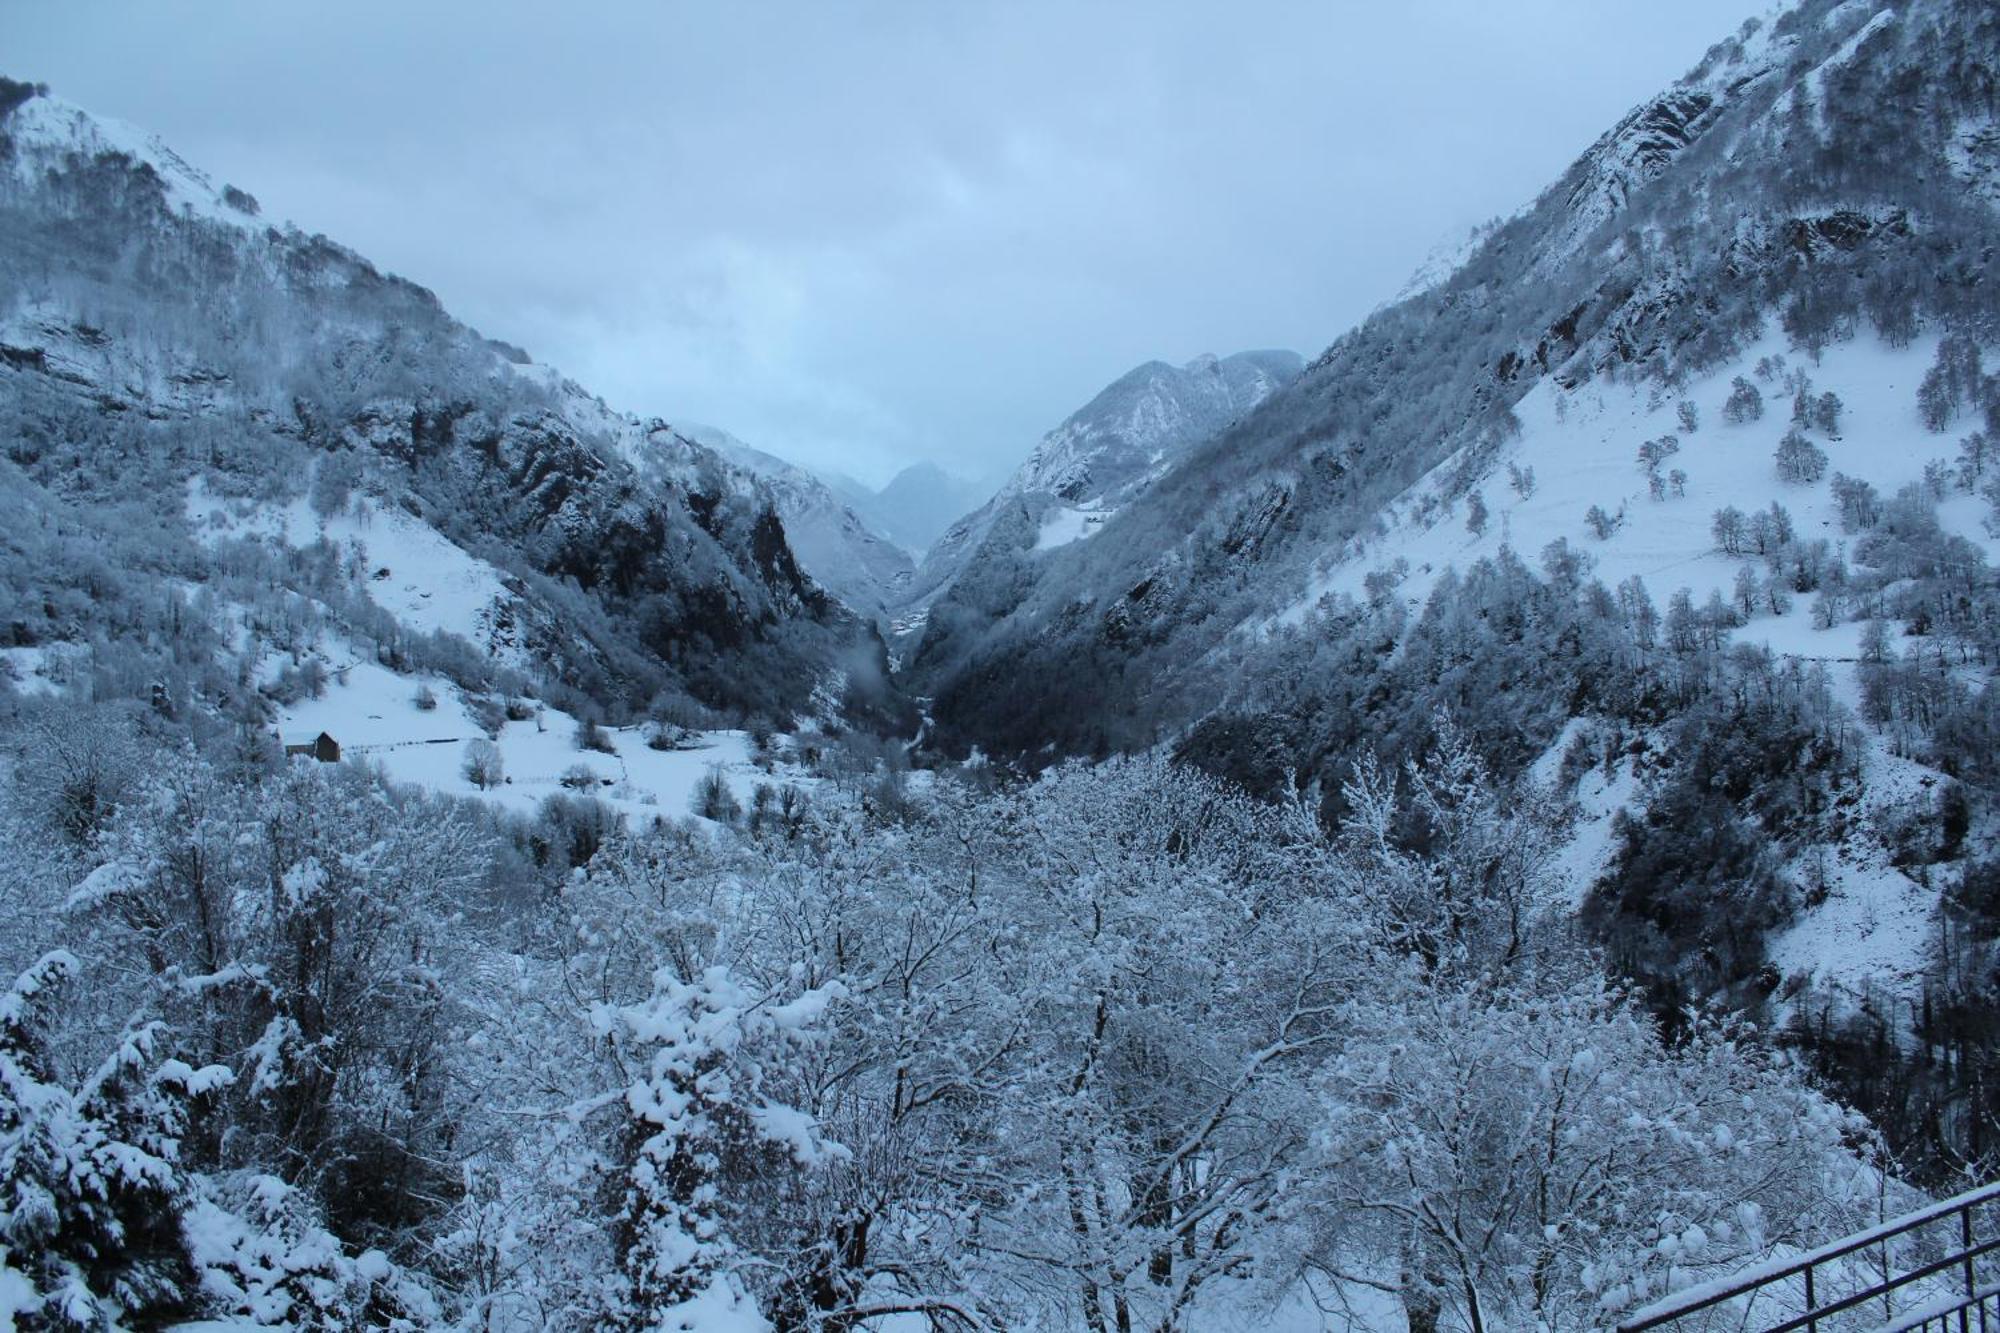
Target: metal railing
pixel 1952 1290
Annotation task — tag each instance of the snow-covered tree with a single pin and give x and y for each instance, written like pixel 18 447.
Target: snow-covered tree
pixel 702 1141
pixel 1532 1153
pixel 1745 402
pixel 1479 889
pixel 1860 504
pixel 300 923
pixel 1975 453
pixel 92 1194
pixel 714 799
pixel 1728 530
pixel 263 1258
pixel 1799 460
pixel 483 766
pixel 1657 451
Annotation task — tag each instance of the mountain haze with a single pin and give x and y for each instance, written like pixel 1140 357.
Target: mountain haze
pixel 915 507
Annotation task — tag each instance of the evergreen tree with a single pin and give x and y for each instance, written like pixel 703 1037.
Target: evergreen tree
pixel 91 1192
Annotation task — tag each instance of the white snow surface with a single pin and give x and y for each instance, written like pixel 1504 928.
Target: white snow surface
pixel 1443 261
pixel 1583 447
pixel 414 572
pixel 1064 524
pixel 49 129
pixel 1875 929
pixel 371 712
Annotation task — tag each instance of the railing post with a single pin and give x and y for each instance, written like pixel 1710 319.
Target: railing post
pixel 1812 1303
pixel 1971 1287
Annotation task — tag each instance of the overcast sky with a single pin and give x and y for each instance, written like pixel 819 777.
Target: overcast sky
pixel 859 235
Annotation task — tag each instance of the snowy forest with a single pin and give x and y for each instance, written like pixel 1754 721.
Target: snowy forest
pixel 1482 830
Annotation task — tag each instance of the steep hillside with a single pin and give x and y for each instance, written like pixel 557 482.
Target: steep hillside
pixel 165 355
pixel 865 569
pixel 1820 174
pixel 1095 463
pixel 1678 497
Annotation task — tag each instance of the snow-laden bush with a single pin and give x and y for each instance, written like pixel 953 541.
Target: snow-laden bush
pixel 1745 402
pixel 262 1255
pixel 1535 1156
pixel 1800 460
pixel 483 766
pixel 714 799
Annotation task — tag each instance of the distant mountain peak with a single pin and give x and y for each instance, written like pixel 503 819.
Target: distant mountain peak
pixel 1102 457
pixel 1143 418
pixel 918 504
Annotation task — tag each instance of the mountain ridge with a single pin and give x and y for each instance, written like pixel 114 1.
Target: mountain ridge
pixel 1562 289
pixel 154 320
pixel 858 563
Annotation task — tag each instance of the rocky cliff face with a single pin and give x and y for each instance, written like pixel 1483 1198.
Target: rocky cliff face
pixel 835 545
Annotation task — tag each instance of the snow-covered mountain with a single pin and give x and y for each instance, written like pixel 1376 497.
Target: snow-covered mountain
pixel 1779 187
pixel 1649 489
pixel 1103 456
pixel 161 346
pixel 916 506
pixel 856 563
pixel 1604 632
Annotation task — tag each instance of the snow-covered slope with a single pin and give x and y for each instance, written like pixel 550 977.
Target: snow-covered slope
pixel 1808 213
pixel 160 346
pixel 1579 449
pixel 1714 215
pixel 1582 447
pixel 49 134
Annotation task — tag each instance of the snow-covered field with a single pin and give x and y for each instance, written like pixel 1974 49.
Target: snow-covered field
pixel 43 668
pixel 428 584
pixel 1067 523
pixel 371 712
